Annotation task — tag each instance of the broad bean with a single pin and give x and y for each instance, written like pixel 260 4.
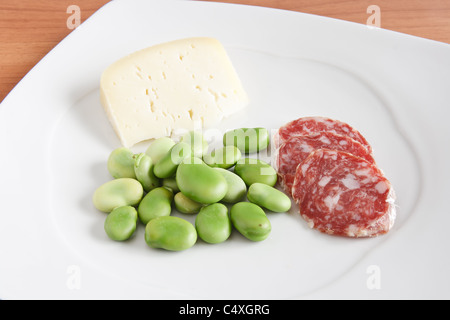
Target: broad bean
pixel 167 166
pixel 121 163
pixel 171 183
pixel 159 148
pixel 120 224
pixel 250 220
pixel 156 203
pixel 185 205
pixel 170 233
pixel 213 224
pixel 236 186
pixel 200 182
pixel 255 170
pixel 117 193
pixel 225 157
pixel 248 140
pixel 199 145
pixel 268 197
pixel 143 168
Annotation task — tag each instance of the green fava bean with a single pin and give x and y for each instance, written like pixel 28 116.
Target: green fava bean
pixel 170 233
pixel 170 183
pixel 199 145
pixel 200 182
pixel 121 163
pixel 237 188
pixel 120 224
pixel 167 166
pixel 157 203
pixel 118 193
pixel 268 197
pixel 248 140
pixel 250 220
pixel 185 205
pixel 213 224
pixel 159 148
pixel 255 170
pixel 225 157
pixel 143 168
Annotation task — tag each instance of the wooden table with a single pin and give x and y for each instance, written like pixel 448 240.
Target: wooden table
pixel 29 29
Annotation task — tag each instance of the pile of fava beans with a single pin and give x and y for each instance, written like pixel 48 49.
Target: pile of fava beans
pixel 223 188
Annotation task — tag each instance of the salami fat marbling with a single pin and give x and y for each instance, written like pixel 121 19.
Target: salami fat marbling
pixel 308 125
pixel 342 194
pixel 297 148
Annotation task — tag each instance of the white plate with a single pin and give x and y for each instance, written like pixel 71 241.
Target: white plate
pixel 55 139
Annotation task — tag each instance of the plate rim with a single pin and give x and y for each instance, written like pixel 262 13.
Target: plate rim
pixel 6 103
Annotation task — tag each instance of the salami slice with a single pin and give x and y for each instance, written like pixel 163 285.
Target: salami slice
pixel 308 125
pixel 297 148
pixel 341 194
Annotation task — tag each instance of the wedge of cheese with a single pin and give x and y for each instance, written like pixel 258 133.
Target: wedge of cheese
pixel 176 85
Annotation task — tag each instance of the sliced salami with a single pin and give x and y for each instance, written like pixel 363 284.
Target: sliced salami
pixel 297 148
pixel 308 125
pixel 342 194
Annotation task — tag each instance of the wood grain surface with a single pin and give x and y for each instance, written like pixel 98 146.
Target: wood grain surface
pixel 29 29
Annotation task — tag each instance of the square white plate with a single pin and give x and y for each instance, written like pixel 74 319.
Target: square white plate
pixel 55 139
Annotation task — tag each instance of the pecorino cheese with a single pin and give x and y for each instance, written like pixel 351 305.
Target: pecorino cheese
pixel 176 85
